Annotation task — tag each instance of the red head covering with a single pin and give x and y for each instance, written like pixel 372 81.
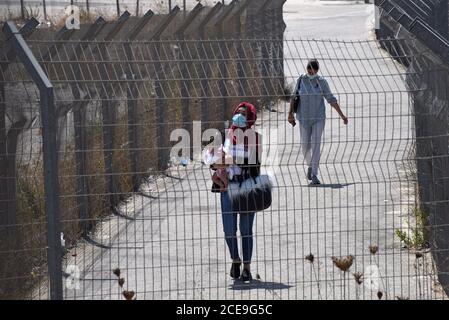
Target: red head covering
pixel 251 117
pixel 251 114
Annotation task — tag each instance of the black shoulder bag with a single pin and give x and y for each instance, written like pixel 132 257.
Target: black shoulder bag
pixel 296 100
pixel 252 192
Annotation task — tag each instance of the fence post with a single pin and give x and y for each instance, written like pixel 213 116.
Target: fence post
pixel 223 56
pixel 266 68
pixel 256 23
pixel 204 58
pixel 132 91
pixel 186 81
pixel 44 5
pixel 109 114
pixel 241 61
pixel 52 192
pixel 255 31
pixel 159 76
pixel 79 124
pixel 51 184
pixel 22 9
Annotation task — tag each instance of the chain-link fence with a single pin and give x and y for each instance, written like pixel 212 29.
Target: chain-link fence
pixel 95 205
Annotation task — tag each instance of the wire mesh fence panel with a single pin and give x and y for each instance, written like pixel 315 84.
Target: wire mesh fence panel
pixel 139 219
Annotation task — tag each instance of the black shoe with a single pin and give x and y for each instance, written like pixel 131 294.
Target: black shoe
pixel 246 276
pixel 235 270
pixel 315 181
pixel 309 174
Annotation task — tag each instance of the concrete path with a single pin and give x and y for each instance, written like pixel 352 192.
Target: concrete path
pixel 174 248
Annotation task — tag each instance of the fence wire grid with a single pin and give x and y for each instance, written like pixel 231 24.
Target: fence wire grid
pixel 128 210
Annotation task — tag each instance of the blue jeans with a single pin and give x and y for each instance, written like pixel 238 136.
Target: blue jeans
pixel 230 229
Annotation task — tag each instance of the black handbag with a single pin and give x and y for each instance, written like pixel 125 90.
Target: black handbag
pixel 215 188
pixel 296 100
pixel 253 194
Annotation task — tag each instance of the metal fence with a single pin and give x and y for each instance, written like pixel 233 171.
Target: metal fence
pixel 54 9
pixel 430 116
pixel 95 207
pixel 433 13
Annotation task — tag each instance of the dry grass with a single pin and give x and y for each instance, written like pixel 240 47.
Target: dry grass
pixel 24 253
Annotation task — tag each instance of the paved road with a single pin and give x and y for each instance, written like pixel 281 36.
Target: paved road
pixel 174 249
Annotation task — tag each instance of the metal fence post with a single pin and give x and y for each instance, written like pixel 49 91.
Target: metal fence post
pixel 49 122
pixel 265 55
pixel 159 75
pixel 224 56
pixel 186 61
pixel 79 125
pixel 131 99
pixel 44 4
pixel 205 69
pixel 108 112
pixel 241 61
pixel 22 9
pixel 51 184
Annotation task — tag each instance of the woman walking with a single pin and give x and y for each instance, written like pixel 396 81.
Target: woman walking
pixel 310 92
pixel 242 145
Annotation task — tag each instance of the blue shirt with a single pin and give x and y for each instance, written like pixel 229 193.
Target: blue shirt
pixel 312 93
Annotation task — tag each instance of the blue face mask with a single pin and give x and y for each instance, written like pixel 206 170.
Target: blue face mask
pixel 239 120
pixel 311 77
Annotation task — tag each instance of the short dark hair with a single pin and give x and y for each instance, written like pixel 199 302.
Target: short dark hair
pixel 313 64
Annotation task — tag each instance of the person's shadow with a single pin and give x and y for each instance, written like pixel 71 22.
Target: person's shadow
pixel 239 285
pixel 331 186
